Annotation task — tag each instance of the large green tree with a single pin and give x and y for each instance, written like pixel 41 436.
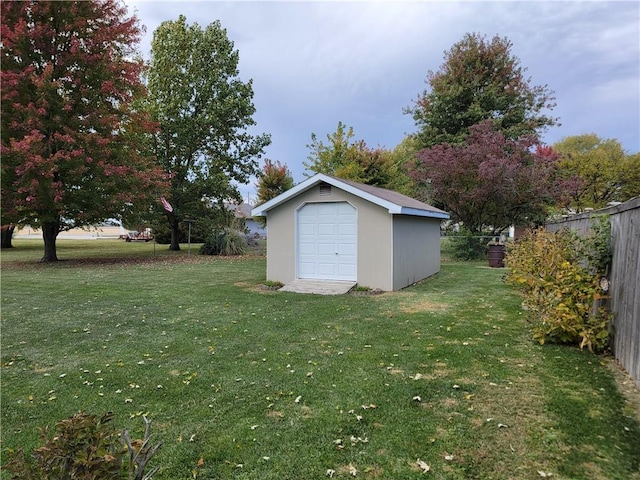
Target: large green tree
pixel 70 75
pixel 204 112
pixel 596 171
pixel 345 157
pixel 480 80
pixel 403 158
pixel 331 157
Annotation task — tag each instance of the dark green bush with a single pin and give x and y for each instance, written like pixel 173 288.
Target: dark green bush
pixel 467 246
pixel 224 242
pixel 162 233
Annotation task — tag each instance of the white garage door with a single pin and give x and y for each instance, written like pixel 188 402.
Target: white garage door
pixel 327 241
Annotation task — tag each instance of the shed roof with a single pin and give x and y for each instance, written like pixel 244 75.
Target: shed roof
pixel 396 203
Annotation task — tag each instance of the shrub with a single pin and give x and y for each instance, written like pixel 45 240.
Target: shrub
pixel 85 447
pixel 467 246
pixel 224 242
pixel 559 275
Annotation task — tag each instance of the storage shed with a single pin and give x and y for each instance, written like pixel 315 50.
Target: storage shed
pixel 327 228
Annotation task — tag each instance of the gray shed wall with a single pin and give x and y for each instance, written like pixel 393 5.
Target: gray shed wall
pixel 416 249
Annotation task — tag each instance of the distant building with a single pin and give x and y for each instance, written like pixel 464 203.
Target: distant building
pixel 243 212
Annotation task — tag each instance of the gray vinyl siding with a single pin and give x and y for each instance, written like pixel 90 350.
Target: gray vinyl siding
pixel 416 249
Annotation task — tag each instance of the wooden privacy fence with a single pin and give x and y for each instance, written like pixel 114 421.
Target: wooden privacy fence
pixel 624 277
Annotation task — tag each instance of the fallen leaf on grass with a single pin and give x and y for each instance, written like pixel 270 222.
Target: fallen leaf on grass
pixel 355 440
pixel 423 466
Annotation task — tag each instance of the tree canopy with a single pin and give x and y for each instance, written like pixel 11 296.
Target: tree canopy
pixel 332 157
pixel 344 157
pixel 70 76
pixel 480 80
pixel 491 181
pixel 274 179
pixel 596 171
pixel 204 112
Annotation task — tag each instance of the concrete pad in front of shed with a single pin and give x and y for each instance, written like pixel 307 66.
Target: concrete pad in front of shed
pixel 318 287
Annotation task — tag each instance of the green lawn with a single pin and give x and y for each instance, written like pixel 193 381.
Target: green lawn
pixel 246 383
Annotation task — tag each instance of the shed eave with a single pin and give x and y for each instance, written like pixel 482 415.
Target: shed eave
pixel 422 213
pixel 391 207
pixel 261 210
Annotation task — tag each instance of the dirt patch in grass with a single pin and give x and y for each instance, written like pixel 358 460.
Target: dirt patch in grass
pixel 450 403
pixel 348 470
pixel 441 370
pixel 420 306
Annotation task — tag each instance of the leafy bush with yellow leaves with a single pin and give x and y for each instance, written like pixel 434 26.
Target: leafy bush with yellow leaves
pixel 559 275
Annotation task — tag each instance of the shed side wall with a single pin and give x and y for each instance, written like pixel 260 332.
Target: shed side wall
pixel 416 249
pixel 280 245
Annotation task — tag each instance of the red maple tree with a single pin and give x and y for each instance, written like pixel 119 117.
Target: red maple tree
pixel 490 182
pixel 71 136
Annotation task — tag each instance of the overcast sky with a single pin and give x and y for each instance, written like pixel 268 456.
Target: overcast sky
pixel 314 64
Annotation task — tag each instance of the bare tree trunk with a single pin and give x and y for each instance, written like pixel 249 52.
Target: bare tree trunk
pixel 50 232
pixel 175 235
pixel 7 236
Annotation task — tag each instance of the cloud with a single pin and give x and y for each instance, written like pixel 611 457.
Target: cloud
pixel 316 63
